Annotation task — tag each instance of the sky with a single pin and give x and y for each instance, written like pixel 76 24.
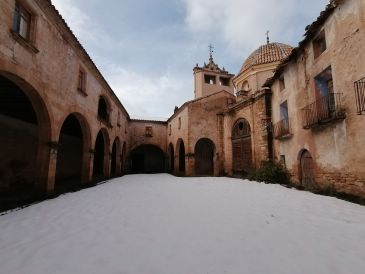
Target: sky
pixel 147 49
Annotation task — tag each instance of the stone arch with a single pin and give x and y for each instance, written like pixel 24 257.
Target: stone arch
pixel 306 169
pixel 101 155
pixel 147 159
pixel 204 157
pixel 242 158
pixel 73 163
pixel 115 168
pixel 123 157
pixel 26 132
pixel 180 151
pixel 171 157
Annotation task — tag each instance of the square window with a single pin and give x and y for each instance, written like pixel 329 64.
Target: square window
pixel 319 44
pixel 22 22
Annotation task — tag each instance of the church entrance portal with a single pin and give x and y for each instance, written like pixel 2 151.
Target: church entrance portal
pixel 241 148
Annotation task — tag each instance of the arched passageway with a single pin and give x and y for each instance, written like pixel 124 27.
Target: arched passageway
pixel 241 148
pixel 147 159
pixel 122 158
pixel 116 158
pixel 70 154
pixel 307 172
pixel 99 156
pixel 180 147
pixel 171 159
pixel 204 154
pixel 24 132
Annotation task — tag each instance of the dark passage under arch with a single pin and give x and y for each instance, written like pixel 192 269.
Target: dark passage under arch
pixel 99 153
pixel 147 159
pixel 70 154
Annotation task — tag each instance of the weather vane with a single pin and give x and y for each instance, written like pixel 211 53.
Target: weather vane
pixel 267 37
pixel 211 50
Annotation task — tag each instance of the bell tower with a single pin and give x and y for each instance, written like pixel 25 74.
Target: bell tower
pixel 211 78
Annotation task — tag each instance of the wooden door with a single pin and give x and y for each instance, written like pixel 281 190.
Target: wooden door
pixel 307 169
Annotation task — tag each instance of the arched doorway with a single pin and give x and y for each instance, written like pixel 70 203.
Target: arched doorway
pixel 116 159
pixel 25 133
pixel 307 170
pixel 100 168
pixel 171 158
pixel 180 147
pixel 241 148
pixel 147 159
pixel 70 155
pixel 204 154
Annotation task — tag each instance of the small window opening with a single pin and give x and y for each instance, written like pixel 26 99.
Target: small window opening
pixel 149 131
pixel 324 83
pixel 103 113
pixel 118 120
pixel 319 44
pixel 281 82
pixel 179 123
pixel 282 160
pixel 22 21
pixel 81 81
pixel 209 79
pixel 170 130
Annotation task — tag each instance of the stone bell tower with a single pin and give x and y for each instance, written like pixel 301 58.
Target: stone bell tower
pixel 210 78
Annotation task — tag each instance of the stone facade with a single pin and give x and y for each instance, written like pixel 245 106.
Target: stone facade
pixel 325 123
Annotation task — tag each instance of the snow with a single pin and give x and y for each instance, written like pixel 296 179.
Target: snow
pixel 163 224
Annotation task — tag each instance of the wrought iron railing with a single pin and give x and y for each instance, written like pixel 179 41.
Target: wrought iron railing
pixel 360 95
pixel 282 129
pixel 326 109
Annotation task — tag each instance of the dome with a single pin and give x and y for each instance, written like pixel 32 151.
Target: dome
pixel 268 53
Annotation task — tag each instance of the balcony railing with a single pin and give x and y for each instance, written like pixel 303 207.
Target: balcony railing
pixel 360 95
pixel 282 129
pixel 324 110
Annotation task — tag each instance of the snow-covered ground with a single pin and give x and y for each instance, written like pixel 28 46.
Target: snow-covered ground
pixel 157 224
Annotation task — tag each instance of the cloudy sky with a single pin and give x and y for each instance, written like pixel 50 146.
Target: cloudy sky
pixel 146 49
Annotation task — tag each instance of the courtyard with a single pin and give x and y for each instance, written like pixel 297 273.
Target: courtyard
pixel 164 224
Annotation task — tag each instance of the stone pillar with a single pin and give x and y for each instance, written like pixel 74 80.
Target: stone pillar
pixel 52 166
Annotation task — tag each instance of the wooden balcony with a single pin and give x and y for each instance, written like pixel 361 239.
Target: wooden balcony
pixel 282 129
pixel 325 110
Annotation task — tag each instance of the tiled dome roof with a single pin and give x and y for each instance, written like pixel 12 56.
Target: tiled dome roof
pixel 267 53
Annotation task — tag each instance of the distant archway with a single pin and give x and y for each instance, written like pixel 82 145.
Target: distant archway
pixel 147 159
pixel 25 133
pixel 101 153
pixel 241 148
pixel 180 147
pixel 204 157
pixel 116 159
pixel 122 158
pixel 171 158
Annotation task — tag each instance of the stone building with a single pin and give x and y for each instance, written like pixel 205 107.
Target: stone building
pixel 63 125
pixel 317 102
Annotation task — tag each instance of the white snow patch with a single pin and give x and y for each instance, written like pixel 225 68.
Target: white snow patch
pixel 163 224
